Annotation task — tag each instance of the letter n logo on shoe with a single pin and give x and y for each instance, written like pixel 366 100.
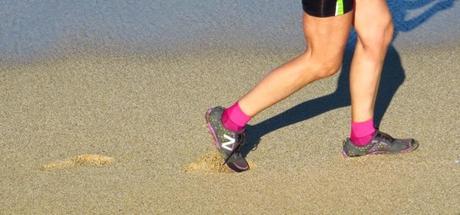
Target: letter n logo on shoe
pixel 229 144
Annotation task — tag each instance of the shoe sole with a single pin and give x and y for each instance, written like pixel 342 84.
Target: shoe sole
pixel 211 131
pixel 411 149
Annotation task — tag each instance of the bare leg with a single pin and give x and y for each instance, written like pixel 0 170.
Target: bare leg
pixel 375 31
pixel 326 39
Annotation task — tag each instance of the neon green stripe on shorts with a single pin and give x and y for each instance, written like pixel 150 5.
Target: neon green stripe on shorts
pixel 339 8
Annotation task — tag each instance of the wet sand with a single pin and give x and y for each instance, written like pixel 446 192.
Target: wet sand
pixel 124 132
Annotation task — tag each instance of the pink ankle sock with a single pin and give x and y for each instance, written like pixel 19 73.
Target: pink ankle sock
pixel 362 132
pixel 234 119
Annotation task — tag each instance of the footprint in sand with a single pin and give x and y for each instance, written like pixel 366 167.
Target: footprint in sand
pixel 211 162
pixel 77 161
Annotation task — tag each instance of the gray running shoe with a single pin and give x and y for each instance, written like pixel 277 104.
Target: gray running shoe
pixel 381 143
pixel 227 142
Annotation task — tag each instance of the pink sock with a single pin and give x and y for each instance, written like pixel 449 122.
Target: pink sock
pixel 234 119
pixel 362 132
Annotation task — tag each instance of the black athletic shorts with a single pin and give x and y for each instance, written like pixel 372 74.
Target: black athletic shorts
pixel 325 8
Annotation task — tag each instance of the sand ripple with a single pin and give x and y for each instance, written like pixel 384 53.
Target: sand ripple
pixel 77 161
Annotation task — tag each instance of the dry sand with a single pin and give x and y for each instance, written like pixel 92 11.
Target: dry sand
pixel 146 113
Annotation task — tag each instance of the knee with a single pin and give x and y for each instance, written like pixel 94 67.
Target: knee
pixel 324 67
pixel 376 38
pixel 327 69
pixel 388 35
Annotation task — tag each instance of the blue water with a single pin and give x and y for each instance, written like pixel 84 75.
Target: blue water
pixel 39 28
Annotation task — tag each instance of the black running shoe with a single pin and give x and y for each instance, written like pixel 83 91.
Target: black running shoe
pixel 381 143
pixel 227 142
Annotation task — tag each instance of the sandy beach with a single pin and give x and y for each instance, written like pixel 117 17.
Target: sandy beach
pixel 105 130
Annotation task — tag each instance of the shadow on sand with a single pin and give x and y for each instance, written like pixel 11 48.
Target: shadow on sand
pixel 392 78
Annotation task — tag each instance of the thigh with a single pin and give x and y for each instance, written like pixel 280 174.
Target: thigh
pixel 326 37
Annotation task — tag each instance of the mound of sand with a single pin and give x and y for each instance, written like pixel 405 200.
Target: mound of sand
pixel 211 162
pixel 77 161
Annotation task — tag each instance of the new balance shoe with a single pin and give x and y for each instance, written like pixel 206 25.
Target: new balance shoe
pixel 381 143
pixel 227 142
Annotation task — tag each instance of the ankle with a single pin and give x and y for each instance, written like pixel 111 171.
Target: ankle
pixel 234 119
pixel 362 132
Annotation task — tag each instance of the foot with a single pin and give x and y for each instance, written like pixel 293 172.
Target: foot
pixel 381 143
pixel 226 142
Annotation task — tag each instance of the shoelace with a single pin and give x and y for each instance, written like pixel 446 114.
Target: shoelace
pixel 385 136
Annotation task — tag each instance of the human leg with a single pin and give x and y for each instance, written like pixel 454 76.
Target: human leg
pixel 375 30
pixel 326 39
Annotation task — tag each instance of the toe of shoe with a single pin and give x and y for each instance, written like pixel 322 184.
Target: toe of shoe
pixel 239 165
pixel 413 144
